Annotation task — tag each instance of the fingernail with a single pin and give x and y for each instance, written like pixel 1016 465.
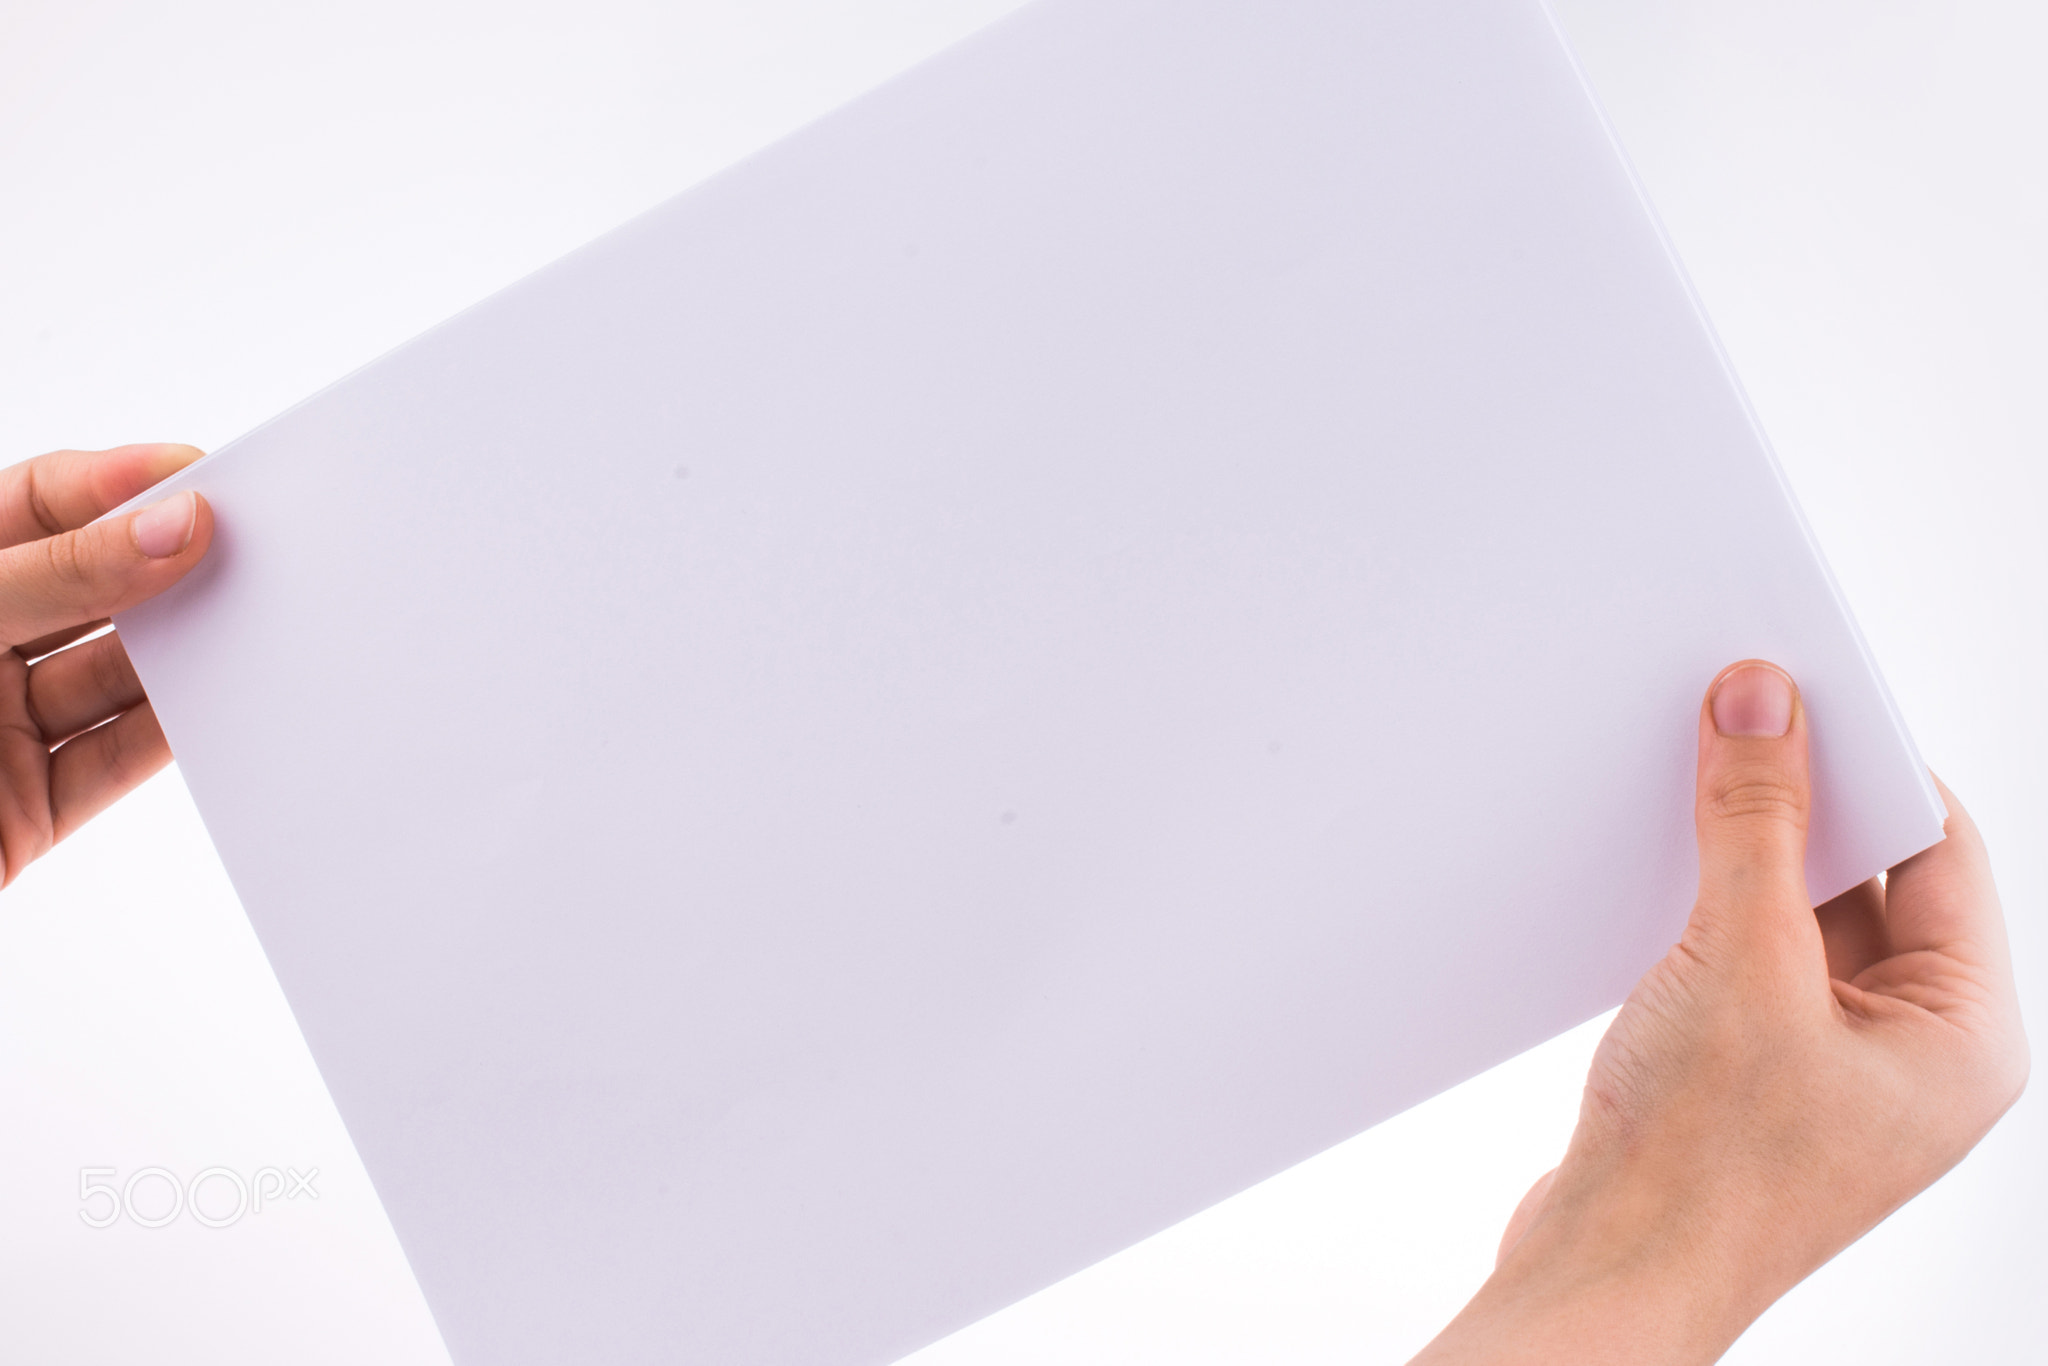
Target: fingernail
pixel 1754 700
pixel 163 529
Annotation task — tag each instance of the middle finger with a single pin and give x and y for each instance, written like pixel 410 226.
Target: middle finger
pixel 76 689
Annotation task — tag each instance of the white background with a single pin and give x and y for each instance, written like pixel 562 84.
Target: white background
pixel 209 210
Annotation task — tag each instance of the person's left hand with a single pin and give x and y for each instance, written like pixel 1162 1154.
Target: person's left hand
pixel 75 730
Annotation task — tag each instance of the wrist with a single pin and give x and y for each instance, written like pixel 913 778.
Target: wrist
pixel 1613 1271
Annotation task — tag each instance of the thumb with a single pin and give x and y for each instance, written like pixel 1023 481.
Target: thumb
pixel 1752 802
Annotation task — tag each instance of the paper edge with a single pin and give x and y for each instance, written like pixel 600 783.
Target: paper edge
pixel 1937 808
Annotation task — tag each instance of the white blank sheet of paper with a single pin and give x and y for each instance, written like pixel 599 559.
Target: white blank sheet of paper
pixel 1087 627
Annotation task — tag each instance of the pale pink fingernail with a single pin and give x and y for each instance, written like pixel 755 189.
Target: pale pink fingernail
pixel 163 529
pixel 1753 701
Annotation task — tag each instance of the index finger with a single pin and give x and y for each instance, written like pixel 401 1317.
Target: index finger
pixel 1943 900
pixel 64 490
pixel 82 576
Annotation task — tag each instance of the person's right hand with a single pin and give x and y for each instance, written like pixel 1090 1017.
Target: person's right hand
pixel 75 730
pixel 1784 1078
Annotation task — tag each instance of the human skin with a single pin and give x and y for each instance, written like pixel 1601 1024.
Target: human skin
pixel 76 732
pixel 1780 1082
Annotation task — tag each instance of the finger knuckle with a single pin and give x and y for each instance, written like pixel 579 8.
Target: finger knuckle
pixel 117 750
pixel 67 561
pixel 109 670
pixel 37 497
pixel 1757 795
